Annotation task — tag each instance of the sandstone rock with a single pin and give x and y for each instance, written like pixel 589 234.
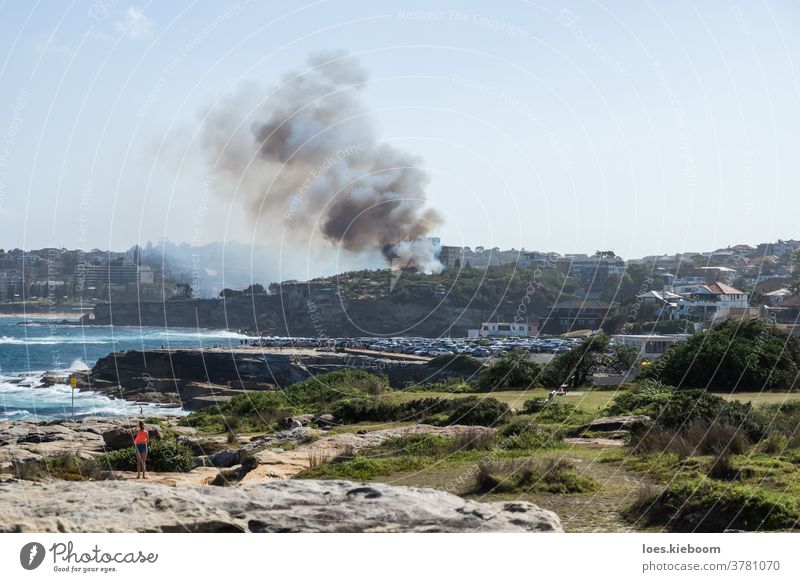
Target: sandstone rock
pixel 224 459
pixel 283 506
pixel 614 423
pixel 283 464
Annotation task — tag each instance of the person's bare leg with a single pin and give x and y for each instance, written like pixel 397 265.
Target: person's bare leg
pixel 138 464
pixel 144 465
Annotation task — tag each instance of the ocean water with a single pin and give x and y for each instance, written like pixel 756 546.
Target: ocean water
pixel 28 351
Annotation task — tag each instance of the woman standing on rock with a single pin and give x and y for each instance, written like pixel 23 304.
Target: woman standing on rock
pixel 140 441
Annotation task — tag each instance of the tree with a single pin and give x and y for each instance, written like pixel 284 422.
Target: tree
pixel 576 366
pixel 255 289
pixel 736 355
pixel 183 290
pixel 514 370
pixel 623 357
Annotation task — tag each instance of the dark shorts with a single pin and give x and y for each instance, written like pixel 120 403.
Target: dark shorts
pixel 141 449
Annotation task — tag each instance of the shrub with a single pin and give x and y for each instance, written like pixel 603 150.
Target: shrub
pixel 449 386
pixel 163 456
pixel 722 467
pixel 709 506
pixel 552 475
pixel 698 438
pixel 514 370
pixel 774 444
pixel 733 355
pixel 472 410
pixel 460 363
pixel 474 439
pixel 552 411
pixel 261 408
pixel 672 408
pixel 686 406
pixel 525 434
pixel 647 397
pixel 478 411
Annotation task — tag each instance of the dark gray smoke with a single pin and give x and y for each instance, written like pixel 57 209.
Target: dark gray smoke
pixel 303 158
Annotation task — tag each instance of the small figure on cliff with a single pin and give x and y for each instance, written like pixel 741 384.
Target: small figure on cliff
pixel 140 441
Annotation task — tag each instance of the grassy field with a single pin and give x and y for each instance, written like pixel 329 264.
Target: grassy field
pixel 587 400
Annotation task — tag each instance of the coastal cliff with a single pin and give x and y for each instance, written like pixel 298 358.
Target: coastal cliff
pixel 296 315
pixel 199 378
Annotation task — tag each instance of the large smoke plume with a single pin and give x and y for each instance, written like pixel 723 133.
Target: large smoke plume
pixel 303 157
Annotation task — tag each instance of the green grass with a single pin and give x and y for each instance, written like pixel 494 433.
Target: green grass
pixel 706 505
pixel 592 400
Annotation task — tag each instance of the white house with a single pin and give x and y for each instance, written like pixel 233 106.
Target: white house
pixel 650 346
pixel 504 329
pixel 777 296
pixel 711 302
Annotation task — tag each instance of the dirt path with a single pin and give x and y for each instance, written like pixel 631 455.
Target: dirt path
pixel 599 511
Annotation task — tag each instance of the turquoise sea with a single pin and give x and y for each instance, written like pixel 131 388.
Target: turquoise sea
pixel 32 346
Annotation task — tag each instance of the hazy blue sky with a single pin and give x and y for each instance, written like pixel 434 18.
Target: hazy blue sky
pixel 642 127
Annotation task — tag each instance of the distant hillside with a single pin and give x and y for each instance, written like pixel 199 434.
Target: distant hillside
pixel 378 302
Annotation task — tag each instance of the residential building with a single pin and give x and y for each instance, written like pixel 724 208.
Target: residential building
pixel 711 302
pixel 788 310
pixel 650 346
pixel 504 329
pixel 573 315
pixel 451 256
pixel 777 296
pixel 591 271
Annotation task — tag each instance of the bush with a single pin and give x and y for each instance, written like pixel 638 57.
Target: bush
pixel 722 467
pixel 552 411
pixel 709 506
pixel 472 410
pixel 163 456
pixel 552 475
pixel 266 408
pixel 687 406
pixel 460 363
pixel 449 386
pixel 478 411
pixel 697 438
pixel 647 397
pixel 514 370
pixel 747 355
pixel 474 439
pixel 672 408
pixel 525 434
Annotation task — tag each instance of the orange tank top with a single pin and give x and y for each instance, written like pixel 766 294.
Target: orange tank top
pixel 141 438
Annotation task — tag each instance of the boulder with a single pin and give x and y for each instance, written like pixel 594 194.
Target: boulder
pixel 122 438
pixel 224 459
pixel 324 421
pixel 280 506
pixel 614 423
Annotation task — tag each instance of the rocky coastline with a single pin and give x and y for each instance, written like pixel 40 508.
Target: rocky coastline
pixel 198 378
pixel 265 498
